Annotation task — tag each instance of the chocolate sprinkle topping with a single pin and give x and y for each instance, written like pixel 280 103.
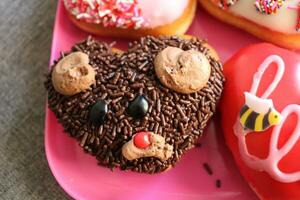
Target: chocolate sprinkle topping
pixel 207 168
pixel 218 183
pixel 198 145
pixel 120 78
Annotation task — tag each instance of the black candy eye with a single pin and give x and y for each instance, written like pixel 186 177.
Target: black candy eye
pixel 138 108
pixel 98 112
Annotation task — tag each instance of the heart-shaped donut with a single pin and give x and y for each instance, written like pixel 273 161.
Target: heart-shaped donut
pixel 261 118
pixel 128 117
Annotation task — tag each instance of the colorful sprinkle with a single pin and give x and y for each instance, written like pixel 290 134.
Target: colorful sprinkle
pixel 298 23
pixel 109 13
pixel 207 168
pixel 297 8
pixel 268 6
pixel 225 4
pixel 218 183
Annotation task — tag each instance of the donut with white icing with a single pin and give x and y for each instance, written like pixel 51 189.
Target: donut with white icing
pixel 276 21
pixel 269 158
pixel 132 18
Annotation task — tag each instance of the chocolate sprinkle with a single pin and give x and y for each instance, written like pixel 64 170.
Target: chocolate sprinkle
pixel 207 168
pixel 198 145
pixel 120 78
pixel 218 183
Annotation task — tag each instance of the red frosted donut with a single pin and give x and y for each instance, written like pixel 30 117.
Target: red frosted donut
pixel 268 159
pixel 132 18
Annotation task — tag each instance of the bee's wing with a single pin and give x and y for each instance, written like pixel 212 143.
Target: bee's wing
pixel 258 105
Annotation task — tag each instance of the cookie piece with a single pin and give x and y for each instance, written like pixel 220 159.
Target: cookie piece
pixel 120 78
pixel 147 144
pixel 182 71
pixel 73 74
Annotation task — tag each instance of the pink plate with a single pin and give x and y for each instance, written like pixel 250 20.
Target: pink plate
pixel 81 177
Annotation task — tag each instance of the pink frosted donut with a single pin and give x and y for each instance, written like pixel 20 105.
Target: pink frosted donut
pixel 132 18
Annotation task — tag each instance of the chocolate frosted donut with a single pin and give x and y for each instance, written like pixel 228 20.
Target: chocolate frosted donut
pixel 127 118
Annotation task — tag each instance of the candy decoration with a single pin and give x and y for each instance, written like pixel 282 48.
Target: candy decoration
pixel 109 13
pixel 138 108
pixel 98 112
pixel 268 6
pixel 258 114
pixel 142 140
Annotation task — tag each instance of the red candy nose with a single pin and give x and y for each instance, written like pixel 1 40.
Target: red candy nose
pixel 142 140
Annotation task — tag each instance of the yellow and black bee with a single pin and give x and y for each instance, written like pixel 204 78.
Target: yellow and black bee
pixel 258 114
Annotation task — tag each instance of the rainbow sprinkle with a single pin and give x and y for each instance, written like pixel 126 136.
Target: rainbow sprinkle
pixel 297 8
pixel 268 6
pixel 225 4
pixel 298 23
pixel 110 13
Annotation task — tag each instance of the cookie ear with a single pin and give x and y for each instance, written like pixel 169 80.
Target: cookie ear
pixel 73 74
pixel 182 71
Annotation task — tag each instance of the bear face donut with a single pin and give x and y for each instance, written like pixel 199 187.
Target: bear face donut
pixel 132 18
pixel 276 21
pixel 260 112
pixel 127 118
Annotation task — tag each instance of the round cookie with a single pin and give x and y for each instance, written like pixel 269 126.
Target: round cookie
pixel 182 71
pixel 172 121
pixel 73 74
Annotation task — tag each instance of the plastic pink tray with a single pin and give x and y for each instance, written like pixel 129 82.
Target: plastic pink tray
pixel 80 176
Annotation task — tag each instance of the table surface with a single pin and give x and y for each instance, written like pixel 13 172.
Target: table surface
pixel 25 38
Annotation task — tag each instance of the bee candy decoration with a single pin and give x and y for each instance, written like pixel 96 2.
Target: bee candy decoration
pixel 258 114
